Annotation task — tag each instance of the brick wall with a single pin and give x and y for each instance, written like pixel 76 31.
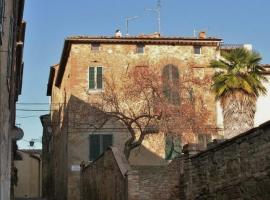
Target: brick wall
pixel 238 168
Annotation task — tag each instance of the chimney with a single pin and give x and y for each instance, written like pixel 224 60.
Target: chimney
pixel 118 33
pixel 202 35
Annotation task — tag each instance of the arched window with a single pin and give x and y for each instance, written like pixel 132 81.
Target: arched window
pixel 170 77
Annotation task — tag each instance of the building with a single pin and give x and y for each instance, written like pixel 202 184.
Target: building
pixel 47 158
pixel 29 174
pixel 12 30
pixel 78 79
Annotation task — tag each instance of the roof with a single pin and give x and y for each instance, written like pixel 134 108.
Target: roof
pixel 50 81
pixel 31 151
pixel 142 39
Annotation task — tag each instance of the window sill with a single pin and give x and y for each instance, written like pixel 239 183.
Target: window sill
pixel 95 91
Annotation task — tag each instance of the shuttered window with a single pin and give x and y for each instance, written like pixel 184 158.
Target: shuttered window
pixel 173 147
pixel 204 139
pixel 197 49
pixel 170 77
pixel 94 146
pixel 98 144
pixel 99 77
pixel 95 78
pixel 92 78
pixel 140 48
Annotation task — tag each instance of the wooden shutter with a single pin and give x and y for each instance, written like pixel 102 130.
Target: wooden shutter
pixel 99 78
pixel 91 77
pixel 170 76
pixel 94 146
pixel 107 141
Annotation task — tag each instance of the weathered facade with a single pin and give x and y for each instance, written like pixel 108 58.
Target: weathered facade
pixel 70 88
pixel 12 30
pixel 47 158
pixel 29 174
pixel 233 169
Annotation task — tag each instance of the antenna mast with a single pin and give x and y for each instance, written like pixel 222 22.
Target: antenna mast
pixel 127 21
pixel 157 10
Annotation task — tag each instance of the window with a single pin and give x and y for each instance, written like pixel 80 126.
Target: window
pixel 197 49
pixel 170 77
pixel 173 147
pixel 204 139
pixel 95 46
pixel 140 48
pixel 98 144
pixel 95 78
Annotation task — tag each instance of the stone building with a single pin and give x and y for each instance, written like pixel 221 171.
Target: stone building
pixel 12 30
pixel 79 77
pixel 29 174
pixel 47 164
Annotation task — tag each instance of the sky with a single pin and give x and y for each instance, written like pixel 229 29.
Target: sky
pixel 50 22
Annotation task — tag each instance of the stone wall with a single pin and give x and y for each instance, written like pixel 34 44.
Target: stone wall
pixel 238 168
pixel 111 177
pixel 106 177
pixel 10 85
pixel 159 182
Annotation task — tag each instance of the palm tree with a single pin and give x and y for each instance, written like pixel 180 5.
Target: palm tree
pixel 237 83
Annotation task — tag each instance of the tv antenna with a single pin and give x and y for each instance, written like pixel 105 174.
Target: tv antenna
pixel 157 10
pixel 127 22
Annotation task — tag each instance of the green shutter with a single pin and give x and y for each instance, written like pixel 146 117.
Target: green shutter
pixel 107 141
pixel 92 78
pixel 173 147
pixel 99 78
pixel 94 146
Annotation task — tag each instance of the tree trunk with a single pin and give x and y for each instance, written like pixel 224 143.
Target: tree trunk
pixel 238 113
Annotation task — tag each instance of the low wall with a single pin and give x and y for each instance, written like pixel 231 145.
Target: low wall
pixel 111 177
pixel 159 182
pixel 105 178
pixel 238 168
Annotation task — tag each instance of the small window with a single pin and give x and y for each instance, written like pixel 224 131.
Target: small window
pixel 197 49
pixel 95 47
pixel 98 144
pixel 170 76
pixel 140 48
pixel 173 147
pixel 204 139
pixel 95 78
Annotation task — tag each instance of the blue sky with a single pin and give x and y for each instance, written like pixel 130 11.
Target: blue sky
pixel 50 22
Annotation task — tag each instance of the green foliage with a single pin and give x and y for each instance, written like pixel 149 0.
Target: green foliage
pixel 239 70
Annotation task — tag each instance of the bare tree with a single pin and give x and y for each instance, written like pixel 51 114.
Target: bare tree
pixel 145 106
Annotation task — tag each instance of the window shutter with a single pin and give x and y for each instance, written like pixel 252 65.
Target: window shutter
pixel 171 83
pixel 94 146
pixel 91 78
pixel 99 78
pixel 107 141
